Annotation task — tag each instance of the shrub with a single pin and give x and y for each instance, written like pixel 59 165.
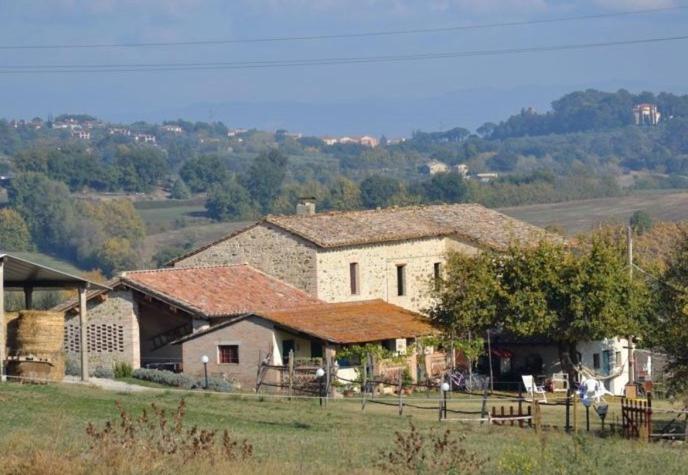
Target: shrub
pixel 167 378
pixel 163 436
pixel 415 452
pixel 72 367
pixel 102 372
pixel 179 380
pixel 122 369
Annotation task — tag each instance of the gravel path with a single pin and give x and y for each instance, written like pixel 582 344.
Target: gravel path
pixel 107 384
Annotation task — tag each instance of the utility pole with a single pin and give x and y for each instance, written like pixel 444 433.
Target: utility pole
pixel 629 254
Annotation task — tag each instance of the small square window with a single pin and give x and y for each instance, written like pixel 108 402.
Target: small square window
pixel 228 354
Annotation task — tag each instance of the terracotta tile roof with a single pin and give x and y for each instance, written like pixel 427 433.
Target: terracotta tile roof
pixel 471 222
pixel 352 322
pixel 341 323
pixel 218 291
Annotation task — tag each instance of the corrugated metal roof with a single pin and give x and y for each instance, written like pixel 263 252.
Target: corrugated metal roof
pixel 20 273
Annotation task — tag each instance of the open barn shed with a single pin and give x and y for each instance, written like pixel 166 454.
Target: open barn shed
pixel 18 274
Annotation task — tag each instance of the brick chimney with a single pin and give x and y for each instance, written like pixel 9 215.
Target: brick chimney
pixel 305 206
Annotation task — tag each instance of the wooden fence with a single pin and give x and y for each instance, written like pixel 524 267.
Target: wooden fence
pixel 636 418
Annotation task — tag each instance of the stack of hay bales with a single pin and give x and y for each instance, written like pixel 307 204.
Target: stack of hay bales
pixel 11 321
pixel 38 346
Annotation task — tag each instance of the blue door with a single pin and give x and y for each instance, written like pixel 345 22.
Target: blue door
pixel 606 362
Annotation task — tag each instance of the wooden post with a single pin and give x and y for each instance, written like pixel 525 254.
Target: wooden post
pixel 291 373
pixel 575 414
pixel 401 399
pixel 371 362
pixel 489 359
pixel 83 326
pixel 567 426
pixel 483 407
pixel 259 379
pixel 364 382
pixel 520 406
pixel 649 417
pixel 3 334
pixel 28 298
pixel 328 369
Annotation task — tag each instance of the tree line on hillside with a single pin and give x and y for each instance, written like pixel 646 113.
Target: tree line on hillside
pixel 95 234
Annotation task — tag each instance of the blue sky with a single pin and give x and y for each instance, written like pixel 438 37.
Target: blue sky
pixel 498 84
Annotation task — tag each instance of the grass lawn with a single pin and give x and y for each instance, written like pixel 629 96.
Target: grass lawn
pixel 300 437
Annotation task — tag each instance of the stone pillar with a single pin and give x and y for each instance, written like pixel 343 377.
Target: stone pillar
pixel 83 325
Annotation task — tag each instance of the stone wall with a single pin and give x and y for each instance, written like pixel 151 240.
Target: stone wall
pixel 255 338
pixel 377 270
pixel 112 332
pixel 268 248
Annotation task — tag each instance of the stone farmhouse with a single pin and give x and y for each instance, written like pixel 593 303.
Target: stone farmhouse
pixel 234 314
pixel 390 254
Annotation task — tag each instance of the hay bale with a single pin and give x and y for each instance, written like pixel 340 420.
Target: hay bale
pixel 11 321
pixel 39 332
pixel 44 368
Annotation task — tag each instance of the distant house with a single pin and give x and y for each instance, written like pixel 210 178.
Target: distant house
pixel 119 131
pixel 365 140
pixel 81 134
pixel 462 169
pixel 646 114
pixel 236 132
pixel 368 141
pixel 172 129
pixel 144 138
pixel 433 167
pixel 485 177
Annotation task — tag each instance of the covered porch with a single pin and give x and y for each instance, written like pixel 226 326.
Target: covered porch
pixel 20 275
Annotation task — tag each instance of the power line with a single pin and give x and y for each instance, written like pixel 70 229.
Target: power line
pixel 234 65
pixel 274 39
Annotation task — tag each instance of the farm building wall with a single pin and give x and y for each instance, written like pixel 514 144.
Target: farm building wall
pixel 255 338
pixel 265 247
pixel 112 332
pixel 377 270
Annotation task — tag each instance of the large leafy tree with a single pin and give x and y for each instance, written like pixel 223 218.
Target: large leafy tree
pixel 672 334
pixel 265 177
pixel 47 208
pixel 228 201
pixel 379 191
pixel 14 233
pixel 202 173
pixel 567 296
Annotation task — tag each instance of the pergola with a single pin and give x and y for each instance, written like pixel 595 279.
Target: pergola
pixel 26 276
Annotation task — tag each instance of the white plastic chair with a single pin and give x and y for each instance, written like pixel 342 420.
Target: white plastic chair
pixel 532 388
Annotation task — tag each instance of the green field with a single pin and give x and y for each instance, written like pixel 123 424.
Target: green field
pixel 584 215
pixel 44 426
pixel 160 216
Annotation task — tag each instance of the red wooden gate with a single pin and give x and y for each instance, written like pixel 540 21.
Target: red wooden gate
pixel 636 418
